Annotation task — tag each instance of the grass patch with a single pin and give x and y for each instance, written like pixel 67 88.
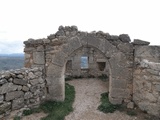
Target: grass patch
pixel 31 111
pixel 17 118
pixel 106 106
pixel 58 110
pixel 131 113
pixel 55 110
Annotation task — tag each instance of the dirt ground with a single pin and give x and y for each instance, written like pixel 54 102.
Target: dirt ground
pixel 87 100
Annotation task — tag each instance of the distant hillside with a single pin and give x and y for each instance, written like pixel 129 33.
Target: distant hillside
pixel 12 55
pixel 11 61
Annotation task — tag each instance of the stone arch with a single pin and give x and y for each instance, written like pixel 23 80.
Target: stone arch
pixel 117 60
pixel 51 54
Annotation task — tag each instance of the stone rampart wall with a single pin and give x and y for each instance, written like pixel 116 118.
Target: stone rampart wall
pixel 21 88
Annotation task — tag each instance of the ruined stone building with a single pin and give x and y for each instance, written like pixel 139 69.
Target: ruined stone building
pixel 133 69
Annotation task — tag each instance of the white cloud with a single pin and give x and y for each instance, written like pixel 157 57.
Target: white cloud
pixel 23 19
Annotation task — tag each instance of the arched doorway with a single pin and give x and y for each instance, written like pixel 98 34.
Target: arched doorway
pixel 118 91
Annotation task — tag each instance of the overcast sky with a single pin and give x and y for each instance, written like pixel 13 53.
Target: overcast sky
pixel 23 19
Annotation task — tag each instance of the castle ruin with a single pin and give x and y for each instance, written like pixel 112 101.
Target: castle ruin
pixel 133 69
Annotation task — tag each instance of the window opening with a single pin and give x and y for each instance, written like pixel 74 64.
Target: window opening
pixel 84 62
pixel 101 65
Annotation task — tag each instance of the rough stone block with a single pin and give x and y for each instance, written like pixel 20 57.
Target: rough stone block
pixel 20 81
pixel 31 75
pixel 74 44
pixel 34 88
pixel 25 88
pixel 150 97
pixel 54 70
pixel 124 38
pixel 27 56
pixel 28 95
pixel 8 87
pixel 157 87
pixel 125 47
pixel 38 57
pixel 140 42
pixel 18 103
pixel 59 59
pixel 41 80
pixel 34 81
pixel 115 100
pixel 117 93
pixel 40 48
pixel 13 95
pixel 151 108
pixel 102 46
pixel 1 98
pixel 122 84
pixel 3 81
pixel 154 72
pixel 19 87
pixel 130 105
pixel 4 107
pixel 93 41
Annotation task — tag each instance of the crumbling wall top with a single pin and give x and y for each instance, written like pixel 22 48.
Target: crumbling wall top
pixel 67 31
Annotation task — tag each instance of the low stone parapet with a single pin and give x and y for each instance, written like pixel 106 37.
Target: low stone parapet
pixel 21 88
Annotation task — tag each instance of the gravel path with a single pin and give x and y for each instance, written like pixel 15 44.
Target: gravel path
pixel 88 99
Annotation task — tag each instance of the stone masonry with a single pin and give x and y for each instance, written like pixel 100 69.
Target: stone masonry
pixel 146 79
pixel 133 69
pixel 21 88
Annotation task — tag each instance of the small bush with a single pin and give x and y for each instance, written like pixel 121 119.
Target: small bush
pixel 31 111
pixel 27 112
pixel 16 118
pixel 106 106
pixel 131 113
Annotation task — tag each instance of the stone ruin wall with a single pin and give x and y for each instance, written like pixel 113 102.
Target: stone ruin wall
pixel 146 79
pixel 21 89
pixel 52 53
pixel 133 69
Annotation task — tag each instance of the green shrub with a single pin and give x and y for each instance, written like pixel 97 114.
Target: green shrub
pixel 131 113
pixel 16 118
pixel 106 106
pixel 27 112
pixel 31 111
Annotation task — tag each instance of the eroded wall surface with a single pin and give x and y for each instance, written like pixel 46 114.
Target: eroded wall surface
pixel 146 80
